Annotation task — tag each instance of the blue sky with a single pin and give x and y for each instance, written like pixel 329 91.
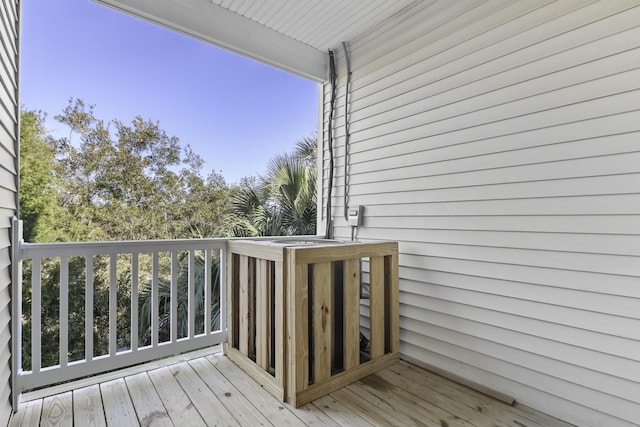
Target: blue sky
pixel 233 111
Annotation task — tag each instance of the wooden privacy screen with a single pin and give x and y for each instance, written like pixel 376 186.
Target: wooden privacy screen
pixel 295 313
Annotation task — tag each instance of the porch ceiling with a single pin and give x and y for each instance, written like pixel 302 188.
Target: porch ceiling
pixel 290 34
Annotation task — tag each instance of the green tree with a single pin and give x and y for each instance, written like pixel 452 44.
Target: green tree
pixel 38 186
pixel 108 181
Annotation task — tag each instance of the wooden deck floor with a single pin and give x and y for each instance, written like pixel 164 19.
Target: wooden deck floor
pixel 207 389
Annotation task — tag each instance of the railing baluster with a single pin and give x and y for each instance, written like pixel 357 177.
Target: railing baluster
pixel 134 301
pixel 113 305
pixel 154 300
pixel 223 281
pixel 88 310
pixel 44 258
pixel 207 292
pixel 64 311
pixel 191 302
pixel 36 318
pixel 174 296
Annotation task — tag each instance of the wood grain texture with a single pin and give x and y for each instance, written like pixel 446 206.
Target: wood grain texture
pixel 118 408
pixel 211 390
pixel 322 320
pixel 148 404
pixel 263 313
pixel 377 311
pixel 351 313
pixel 87 407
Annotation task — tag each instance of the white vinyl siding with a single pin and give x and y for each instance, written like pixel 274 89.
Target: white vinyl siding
pixel 8 151
pixel 499 143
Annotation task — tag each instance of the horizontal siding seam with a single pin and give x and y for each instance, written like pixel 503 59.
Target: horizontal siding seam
pixel 489 106
pixel 525 265
pixel 568 362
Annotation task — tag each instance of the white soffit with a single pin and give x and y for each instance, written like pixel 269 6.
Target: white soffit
pixel 294 35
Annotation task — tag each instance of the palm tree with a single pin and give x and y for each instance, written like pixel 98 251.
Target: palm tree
pixel 164 300
pixel 283 202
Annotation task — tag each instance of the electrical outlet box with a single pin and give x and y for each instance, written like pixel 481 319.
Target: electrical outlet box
pixel 354 215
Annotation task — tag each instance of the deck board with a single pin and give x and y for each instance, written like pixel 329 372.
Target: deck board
pixel 87 407
pixel 149 407
pixel 57 410
pixel 205 388
pixel 118 408
pixel 175 400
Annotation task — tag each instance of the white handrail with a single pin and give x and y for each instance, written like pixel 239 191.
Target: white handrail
pixel 115 358
pixel 62 253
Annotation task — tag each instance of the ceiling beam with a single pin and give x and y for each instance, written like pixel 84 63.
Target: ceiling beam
pixel 221 27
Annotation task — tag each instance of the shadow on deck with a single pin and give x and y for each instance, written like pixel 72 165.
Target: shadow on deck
pixel 205 388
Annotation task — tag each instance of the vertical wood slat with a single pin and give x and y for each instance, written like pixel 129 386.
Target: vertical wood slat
pixel 301 328
pixel 134 302
pixel 377 320
pixel 243 295
pixel 64 311
pixel 351 313
pixel 279 307
pixel 207 292
pixel 88 309
pixel 154 299
pixel 393 301
pixel 252 306
pixel 113 305
pixel 174 297
pixel 36 317
pixel 322 320
pixel 263 318
pixel 224 285
pixel 191 306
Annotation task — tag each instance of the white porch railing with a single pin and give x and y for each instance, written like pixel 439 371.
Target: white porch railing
pixel 175 276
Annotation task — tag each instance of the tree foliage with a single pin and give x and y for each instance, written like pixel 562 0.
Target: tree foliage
pixel 116 180
pixel 283 201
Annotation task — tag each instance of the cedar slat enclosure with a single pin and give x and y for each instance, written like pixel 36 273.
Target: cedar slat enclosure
pixel 295 313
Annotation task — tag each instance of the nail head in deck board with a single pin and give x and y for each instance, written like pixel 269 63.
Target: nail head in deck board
pixel 28 415
pixel 87 407
pixel 374 414
pixel 58 410
pixel 118 408
pixel 273 409
pixel 495 409
pixel 231 398
pixel 426 388
pixel 201 396
pixel 176 402
pixel 433 397
pixel 145 399
pixel 338 412
pixel 407 403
